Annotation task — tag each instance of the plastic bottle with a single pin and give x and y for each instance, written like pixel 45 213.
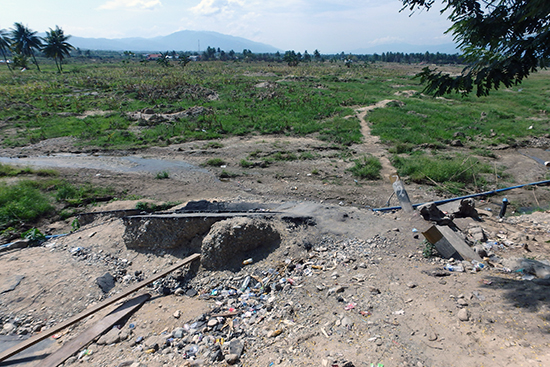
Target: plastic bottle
pixel 457 268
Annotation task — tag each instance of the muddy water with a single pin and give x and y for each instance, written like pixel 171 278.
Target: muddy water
pixel 126 164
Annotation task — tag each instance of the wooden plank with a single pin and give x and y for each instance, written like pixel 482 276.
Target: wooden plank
pixel 73 346
pixel 47 333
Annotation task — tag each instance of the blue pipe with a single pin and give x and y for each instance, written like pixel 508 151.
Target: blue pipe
pixel 465 197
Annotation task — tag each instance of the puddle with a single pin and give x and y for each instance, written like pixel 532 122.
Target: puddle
pixel 127 164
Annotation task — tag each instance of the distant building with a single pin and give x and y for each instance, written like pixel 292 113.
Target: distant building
pixel 153 56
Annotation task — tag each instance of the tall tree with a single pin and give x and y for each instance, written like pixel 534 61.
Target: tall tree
pixel 5 46
pixel 503 41
pixel 25 41
pixel 57 47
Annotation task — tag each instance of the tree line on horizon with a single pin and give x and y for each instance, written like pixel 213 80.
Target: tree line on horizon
pixel 23 43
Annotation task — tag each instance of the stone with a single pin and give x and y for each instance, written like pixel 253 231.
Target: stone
pixel 179 292
pixel 178 333
pixel 106 282
pixel 177 314
pixel 111 337
pixel 231 358
pixel 9 327
pixel 411 285
pixel 334 290
pixel 464 315
pixel 191 292
pixel 212 322
pixel 236 347
pixel 155 342
pixel 346 322
pixel 373 290
pixel 477 234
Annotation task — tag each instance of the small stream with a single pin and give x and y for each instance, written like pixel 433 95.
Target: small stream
pixel 126 164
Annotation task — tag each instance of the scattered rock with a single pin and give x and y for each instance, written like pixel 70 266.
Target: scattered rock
pixel 463 314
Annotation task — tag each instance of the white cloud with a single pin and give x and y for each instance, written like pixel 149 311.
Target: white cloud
pixel 130 4
pixel 212 7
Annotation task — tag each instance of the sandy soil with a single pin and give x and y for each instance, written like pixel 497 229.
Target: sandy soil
pixel 412 317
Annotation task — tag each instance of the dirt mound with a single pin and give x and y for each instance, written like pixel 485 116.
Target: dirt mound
pixel 230 241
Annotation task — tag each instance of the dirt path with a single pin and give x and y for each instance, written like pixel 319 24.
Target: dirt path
pixel 371 143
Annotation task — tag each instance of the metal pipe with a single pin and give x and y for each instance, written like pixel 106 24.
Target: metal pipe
pixel 486 193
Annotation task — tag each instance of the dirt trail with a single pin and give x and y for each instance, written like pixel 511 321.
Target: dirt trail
pixel 371 143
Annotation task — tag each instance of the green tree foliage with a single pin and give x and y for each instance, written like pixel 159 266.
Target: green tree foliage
pixel 5 45
pixel 25 42
pixel 164 59
pixel 183 60
pixel 503 42
pixel 56 46
pixel 292 58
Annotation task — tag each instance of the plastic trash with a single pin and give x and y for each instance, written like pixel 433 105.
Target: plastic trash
pixel 458 268
pixel 248 261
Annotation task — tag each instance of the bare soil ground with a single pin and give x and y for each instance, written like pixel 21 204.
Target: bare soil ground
pixel 392 309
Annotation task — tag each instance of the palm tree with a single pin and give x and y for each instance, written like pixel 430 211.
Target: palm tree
pixel 57 46
pixel 25 41
pixel 5 45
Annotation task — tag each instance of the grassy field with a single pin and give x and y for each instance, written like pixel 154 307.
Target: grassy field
pixel 257 98
pixel 94 103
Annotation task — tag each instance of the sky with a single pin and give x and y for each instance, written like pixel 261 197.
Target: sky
pixel 329 26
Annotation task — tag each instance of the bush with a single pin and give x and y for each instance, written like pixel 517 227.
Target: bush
pixel 162 175
pixel 22 202
pixel 215 162
pixel 368 168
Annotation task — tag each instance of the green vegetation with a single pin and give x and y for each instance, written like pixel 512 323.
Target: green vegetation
pixel 162 175
pixel 97 103
pixel 215 162
pixel 503 42
pixel 150 208
pixel 40 194
pixel 368 168
pixel 246 164
pixel 22 202
pixel 11 171
pixel 451 173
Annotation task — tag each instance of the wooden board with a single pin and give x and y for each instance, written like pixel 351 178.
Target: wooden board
pixel 54 330
pixel 73 346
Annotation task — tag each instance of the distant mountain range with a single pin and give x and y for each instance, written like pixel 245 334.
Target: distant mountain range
pixel 200 40
pixel 179 41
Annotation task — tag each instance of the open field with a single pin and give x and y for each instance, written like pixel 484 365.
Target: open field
pixel 305 117
pixel 348 287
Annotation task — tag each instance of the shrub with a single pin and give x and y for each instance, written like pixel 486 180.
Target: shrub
pixel 215 162
pixel 22 202
pixel 162 175
pixel 368 168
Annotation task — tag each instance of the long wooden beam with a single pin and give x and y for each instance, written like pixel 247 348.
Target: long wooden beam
pixel 47 333
pixel 76 344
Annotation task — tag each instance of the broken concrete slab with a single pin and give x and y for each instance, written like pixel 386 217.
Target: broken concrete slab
pixel 449 244
pixel 430 212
